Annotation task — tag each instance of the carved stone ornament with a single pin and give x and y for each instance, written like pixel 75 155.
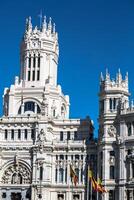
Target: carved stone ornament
pixel 111 131
pixel 16 175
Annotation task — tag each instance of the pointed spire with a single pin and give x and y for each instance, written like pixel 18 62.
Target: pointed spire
pixel 132 104
pixel 44 24
pixel 119 77
pixel 107 75
pixel 50 24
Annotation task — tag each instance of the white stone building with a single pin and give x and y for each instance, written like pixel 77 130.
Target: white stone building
pixel 38 140
pixel 116 138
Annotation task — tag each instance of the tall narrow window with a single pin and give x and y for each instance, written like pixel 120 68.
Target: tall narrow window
pixel 77 173
pixel 132 170
pixel 39 61
pixel 33 75
pixel 68 135
pixel 6 134
pixel 25 136
pixel 61 172
pixel 28 75
pixel 111 172
pixel 75 135
pixel 32 134
pixel 111 195
pixel 56 175
pixel 19 134
pixel 61 136
pixel 41 173
pixel 12 134
pixel 114 104
pixel 29 65
pixel 34 61
pixel 110 102
pixel 38 75
pixel 129 129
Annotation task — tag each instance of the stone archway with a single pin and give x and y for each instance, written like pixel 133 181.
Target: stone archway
pixel 16 174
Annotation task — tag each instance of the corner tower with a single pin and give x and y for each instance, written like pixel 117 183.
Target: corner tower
pixel 36 91
pixel 113 97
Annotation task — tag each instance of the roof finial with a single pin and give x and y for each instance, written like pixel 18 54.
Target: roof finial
pixel 40 16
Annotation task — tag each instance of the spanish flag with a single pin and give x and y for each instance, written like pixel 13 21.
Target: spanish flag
pixel 73 176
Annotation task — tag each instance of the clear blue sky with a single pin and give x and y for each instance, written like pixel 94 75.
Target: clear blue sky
pixel 93 35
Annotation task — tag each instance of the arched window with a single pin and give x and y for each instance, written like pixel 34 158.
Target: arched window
pixel 16 178
pixel 61 173
pixel 129 129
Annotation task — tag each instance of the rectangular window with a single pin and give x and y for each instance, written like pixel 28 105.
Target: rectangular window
pixel 68 135
pixel 28 75
pixel 75 135
pixel 34 61
pixel 41 173
pixel 38 75
pixel 61 157
pixel 112 153
pixel 32 134
pixel 112 172
pixel 111 195
pixel 6 134
pixel 60 197
pixel 61 136
pixel 19 134
pixel 12 134
pixel 29 62
pixel 25 134
pixel 38 62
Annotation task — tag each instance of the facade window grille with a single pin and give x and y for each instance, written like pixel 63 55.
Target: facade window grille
pixel 61 173
pixel 61 136
pixel 112 172
pixel 19 134
pixel 6 134
pixel 12 134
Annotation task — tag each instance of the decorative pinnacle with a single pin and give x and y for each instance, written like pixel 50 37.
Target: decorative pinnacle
pixel 44 24
pixel 101 77
pixel 50 23
pixel 28 24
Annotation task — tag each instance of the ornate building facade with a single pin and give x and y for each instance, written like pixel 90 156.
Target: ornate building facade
pixel 116 138
pixel 38 139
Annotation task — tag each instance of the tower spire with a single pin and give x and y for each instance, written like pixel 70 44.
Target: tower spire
pixel 44 24
pixel 50 24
